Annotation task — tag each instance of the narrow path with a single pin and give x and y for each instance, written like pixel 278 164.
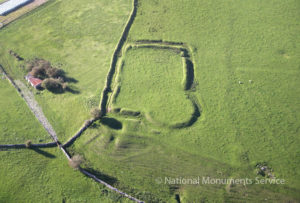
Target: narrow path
pixel 35 108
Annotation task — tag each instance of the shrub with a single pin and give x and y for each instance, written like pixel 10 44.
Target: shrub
pixel 65 86
pixel 54 72
pixel 28 143
pixel 52 85
pixel 39 72
pixel 76 161
pixel 96 113
pixel 87 122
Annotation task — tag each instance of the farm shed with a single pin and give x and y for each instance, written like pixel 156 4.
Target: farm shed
pixel 35 82
pixel 12 5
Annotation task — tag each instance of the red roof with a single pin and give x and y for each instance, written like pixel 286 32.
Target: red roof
pixel 35 81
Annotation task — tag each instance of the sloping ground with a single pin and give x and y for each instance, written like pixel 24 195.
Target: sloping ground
pixel 44 176
pixel 247 65
pixel 257 121
pixel 17 123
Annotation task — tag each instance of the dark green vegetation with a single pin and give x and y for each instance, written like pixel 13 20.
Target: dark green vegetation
pixel 246 57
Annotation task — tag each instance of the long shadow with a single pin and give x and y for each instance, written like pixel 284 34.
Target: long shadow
pixel 72 90
pixel 193 119
pixel 106 178
pixel 61 90
pixel 112 123
pixel 189 74
pixel 44 153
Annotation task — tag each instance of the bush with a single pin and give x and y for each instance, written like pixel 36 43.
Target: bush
pixel 54 72
pixel 28 143
pixel 96 113
pixel 52 85
pixel 38 72
pixel 76 161
pixel 65 86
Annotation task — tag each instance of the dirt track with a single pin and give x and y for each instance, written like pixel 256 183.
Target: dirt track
pixel 35 108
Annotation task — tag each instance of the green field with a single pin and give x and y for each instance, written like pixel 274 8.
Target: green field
pixel 240 125
pixel 246 60
pixel 17 123
pixel 80 41
pixel 44 176
pixel 158 74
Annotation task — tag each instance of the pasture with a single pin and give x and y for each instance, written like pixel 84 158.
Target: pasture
pixel 159 74
pixel 17 123
pixel 243 98
pixel 246 70
pixel 78 40
pixel 43 175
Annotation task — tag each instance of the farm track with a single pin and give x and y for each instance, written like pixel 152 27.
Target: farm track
pixel 27 95
pixel 35 108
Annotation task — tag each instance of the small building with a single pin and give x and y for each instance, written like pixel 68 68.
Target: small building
pixel 35 82
pixel 12 5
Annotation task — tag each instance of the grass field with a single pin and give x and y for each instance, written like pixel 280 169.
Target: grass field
pixel 158 74
pixel 80 41
pixel 17 123
pixel 246 57
pixel 44 176
pixel 240 125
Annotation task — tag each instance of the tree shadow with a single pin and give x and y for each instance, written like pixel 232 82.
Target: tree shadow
pixel 106 178
pixel 72 90
pixel 112 123
pixel 44 153
pixel 95 125
pixel 189 73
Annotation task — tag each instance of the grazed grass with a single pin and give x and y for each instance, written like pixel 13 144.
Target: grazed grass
pixel 17 123
pixel 78 38
pixel 44 176
pixel 158 74
pixel 241 124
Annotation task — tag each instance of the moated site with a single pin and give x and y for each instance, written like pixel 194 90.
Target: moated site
pixel 149 101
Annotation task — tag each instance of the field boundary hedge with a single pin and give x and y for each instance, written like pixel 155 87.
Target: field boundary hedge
pixel 114 59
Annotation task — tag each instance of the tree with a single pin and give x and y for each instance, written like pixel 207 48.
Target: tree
pixel 39 72
pixel 96 113
pixel 76 161
pixel 28 143
pixel 52 85
pixel 54 72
